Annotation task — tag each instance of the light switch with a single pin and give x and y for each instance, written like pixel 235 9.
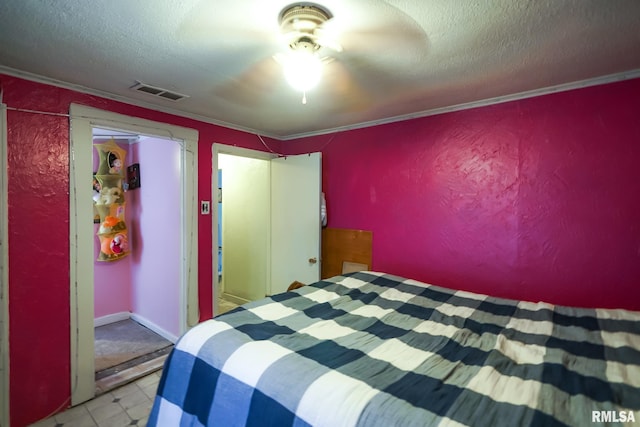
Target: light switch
pixel 205 207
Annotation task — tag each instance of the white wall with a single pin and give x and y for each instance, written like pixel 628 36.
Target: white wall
pixel 245 226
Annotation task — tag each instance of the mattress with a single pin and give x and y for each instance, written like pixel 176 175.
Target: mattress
pixel 373 349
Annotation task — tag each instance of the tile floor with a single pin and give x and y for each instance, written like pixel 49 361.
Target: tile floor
pixel 128 405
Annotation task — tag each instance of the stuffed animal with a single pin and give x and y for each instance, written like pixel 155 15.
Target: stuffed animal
pixel 116 166
pixel 119 244
pixel 109 196
pixel 96 190
pixel 110 221
pixel 105 246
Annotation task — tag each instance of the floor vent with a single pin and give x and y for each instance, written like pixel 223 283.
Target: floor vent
pixel 156 91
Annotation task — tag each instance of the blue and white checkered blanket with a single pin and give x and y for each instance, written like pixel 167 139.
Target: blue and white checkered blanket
pixel 370 349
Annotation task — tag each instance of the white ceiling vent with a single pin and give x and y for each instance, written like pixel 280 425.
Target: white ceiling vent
pixel 157 91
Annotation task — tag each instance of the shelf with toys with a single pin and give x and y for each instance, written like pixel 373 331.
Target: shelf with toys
pixel 110 202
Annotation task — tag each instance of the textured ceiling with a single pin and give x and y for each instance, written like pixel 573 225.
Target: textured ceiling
pixel 401 58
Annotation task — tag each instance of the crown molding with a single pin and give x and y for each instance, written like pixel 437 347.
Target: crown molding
pixel 611 78
pixel 125 100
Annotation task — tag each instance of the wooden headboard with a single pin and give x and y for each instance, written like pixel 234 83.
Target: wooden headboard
pixel 340 245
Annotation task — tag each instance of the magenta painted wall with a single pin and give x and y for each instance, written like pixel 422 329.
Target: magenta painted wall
pixel 38 210
pixel 534 199
pixel 537 199
pixel 155 234
pixel 112 280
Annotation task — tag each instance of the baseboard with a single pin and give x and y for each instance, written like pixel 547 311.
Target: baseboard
pixel 111 318
pixel 155 328
pixel 234 299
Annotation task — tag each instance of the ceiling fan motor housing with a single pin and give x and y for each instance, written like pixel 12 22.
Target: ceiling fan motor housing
pixel 304 43
pixel 298 22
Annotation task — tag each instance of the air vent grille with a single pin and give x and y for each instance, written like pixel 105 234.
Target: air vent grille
pixel 171 95
pixel 159 92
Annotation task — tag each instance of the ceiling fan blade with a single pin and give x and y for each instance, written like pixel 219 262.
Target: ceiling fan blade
pixel 327 38
pixel 379 30
pixel 253 85
pixel 342 90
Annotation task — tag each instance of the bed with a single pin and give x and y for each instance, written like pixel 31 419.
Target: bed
pixel 373 349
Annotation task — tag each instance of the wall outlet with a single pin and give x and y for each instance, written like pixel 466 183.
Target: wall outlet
pixel 205 207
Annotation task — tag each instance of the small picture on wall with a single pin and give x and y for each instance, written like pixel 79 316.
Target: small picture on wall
pixel 133 176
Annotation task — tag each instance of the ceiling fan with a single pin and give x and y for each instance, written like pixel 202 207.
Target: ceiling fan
pixel 350 49
pixel 302 27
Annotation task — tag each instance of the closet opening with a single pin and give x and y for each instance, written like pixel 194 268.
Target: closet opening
pixel 136 254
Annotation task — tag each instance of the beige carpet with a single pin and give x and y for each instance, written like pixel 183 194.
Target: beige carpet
pixel 120 342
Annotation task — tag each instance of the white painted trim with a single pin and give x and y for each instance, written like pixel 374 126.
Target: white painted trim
pixel 626 75
pixel 83 119
pixel 80 272
pixel 83 89
pixel 4 271
pixel 111 318
pixel 189 211
pixel 217 149
pixel 124 315
pixel 155 328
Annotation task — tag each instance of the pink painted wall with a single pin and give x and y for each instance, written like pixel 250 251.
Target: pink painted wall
pixel 112 280
pixel 147 282
pixel 155 236
pixel 38 196
pixel 537 199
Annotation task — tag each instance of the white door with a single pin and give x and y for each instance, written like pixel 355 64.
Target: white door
pixel 295 220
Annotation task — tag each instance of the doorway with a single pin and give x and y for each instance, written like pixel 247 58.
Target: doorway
pixel 288 227
pixel 242 231
pixel 82 236
pixel 137 288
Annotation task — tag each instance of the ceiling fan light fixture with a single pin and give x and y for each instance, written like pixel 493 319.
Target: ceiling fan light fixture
pixel 301 64
pixel 302 69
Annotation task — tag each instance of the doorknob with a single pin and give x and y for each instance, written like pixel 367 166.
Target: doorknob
pixel 313 260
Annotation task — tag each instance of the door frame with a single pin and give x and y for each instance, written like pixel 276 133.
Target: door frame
pixel 217 149
pixel 81 232
pixel 4 271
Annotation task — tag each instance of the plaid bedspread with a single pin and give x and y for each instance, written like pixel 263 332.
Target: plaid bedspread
pixel 370 349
